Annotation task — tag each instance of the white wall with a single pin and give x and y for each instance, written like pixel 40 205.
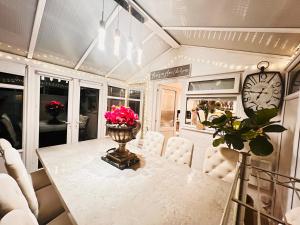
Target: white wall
pixel 204 61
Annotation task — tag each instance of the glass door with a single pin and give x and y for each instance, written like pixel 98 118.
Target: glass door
pixel 87 118
pixel 54 125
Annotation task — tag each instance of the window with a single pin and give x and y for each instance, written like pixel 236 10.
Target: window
pixel 211 85
pixel 214 84
pixel 134 101
pixel 116 96
pixel 199 109
pixel 11 108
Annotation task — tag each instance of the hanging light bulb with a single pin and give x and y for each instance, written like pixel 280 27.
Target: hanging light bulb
pixel 139 56
pixel 129 48
pixel 117 41
pixel 101 31
pixel 117 38
pixel 101 36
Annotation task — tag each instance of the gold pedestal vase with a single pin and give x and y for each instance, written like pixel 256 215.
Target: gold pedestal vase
pixel 121 157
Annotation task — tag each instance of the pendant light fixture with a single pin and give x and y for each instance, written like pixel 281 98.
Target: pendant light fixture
pixel 117 38
pixel 102 31
pixel 130 41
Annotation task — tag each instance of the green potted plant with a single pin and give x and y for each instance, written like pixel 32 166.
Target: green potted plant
pixel 233 132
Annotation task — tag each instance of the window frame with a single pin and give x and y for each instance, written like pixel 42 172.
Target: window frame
pixel 234 75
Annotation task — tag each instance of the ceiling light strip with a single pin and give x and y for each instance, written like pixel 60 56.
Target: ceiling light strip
pixel 36 27
pixel 239 29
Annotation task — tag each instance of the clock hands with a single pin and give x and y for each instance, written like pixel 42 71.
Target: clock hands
pixel 260 92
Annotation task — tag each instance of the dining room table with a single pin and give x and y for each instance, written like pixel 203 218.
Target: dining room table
pixel 154 192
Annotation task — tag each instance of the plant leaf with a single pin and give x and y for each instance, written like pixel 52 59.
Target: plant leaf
pixel 263 116
pixel 249 112
pixel 261 146
pixel 218 141
pixel 274 128
pixel 219 120
pixel 249 135
pixel 234 140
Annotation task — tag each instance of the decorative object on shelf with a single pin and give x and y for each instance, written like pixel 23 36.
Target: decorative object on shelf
pixel 207 107
pixel 200 109
pixel 234 132
pixel 54 108
pixel 122 126
pixel 263 90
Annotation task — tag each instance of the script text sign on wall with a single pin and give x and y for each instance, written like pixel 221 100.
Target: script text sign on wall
pixel 178 71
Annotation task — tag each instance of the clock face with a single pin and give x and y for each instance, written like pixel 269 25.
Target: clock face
pixel 262 91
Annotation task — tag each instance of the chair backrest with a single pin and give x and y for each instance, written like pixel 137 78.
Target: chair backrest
pixel 16 168
pixel 153 142
pixel 179 150
pixel 11 197
pixel 19 217
pixel 221 163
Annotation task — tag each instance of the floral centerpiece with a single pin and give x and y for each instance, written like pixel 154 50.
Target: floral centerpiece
pixel 122 126
pixel 121 117
pixel 54 108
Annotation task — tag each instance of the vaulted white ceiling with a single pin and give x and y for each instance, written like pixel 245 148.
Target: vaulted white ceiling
pixel 68 30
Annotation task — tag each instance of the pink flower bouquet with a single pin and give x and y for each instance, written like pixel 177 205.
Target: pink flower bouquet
pixel 121 116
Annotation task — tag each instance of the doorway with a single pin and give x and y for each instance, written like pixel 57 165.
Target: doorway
pixel 168 109
pixel 69 111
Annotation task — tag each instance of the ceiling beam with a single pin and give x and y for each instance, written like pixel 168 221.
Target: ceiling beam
pixel 238 29
pixel 109 21
pixel 155 27
pixel 36 27
pixel 124 59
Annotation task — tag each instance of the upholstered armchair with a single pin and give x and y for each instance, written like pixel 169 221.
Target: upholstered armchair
pixel 40 195
pixel 14 208
pixel 18 217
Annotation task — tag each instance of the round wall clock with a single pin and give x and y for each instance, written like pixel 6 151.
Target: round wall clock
pixel 263 90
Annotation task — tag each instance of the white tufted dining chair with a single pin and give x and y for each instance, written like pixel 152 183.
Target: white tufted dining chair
pixel 43 202
pixel 179 150
pixel 153 142
pixel 221 163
